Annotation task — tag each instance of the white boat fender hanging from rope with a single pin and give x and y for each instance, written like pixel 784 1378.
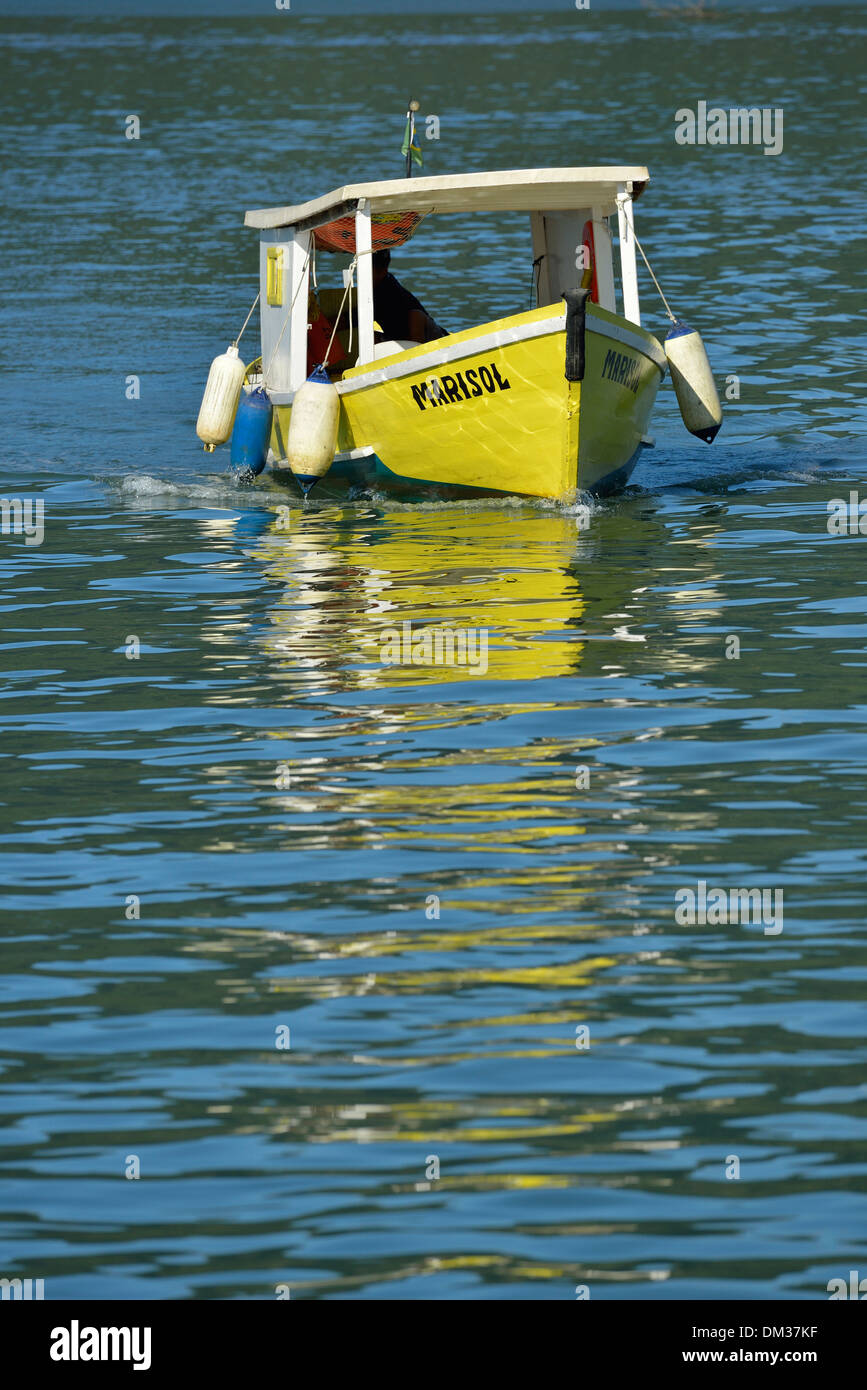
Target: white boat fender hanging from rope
pixel 691 374
pixel 220 401
pixel 312 440
pixel 693 381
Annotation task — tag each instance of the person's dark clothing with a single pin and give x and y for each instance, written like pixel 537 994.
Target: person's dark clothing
pixel 392 305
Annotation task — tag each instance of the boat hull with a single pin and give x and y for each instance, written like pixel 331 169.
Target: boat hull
pixel 491 411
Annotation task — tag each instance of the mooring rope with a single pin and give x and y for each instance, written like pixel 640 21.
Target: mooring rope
pixel 652 276
pixel 340 311
pixel 247 320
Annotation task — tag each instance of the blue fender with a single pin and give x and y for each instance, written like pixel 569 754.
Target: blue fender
pixel 249 448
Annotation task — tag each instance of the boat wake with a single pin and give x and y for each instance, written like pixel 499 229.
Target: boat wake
pixel 222 489
pixel 571 507
pixel 145 488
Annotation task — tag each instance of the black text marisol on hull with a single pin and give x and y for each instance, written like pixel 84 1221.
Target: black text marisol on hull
pixel 462 386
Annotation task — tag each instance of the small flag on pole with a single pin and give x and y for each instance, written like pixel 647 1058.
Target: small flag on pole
pixel 409 149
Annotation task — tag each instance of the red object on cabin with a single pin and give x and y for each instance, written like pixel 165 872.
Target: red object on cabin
pixel 318 336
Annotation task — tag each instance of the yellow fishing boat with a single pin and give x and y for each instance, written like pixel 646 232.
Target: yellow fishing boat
pixel 544 403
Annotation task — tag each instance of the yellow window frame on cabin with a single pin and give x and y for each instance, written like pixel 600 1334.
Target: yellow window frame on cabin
pixel 274 275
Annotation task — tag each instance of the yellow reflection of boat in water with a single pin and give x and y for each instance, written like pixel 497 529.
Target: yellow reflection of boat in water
pixel 377 601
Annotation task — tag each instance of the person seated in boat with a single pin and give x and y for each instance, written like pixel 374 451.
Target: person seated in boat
pixel 398 313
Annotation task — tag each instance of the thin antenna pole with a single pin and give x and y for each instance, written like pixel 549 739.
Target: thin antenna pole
pixel 410 116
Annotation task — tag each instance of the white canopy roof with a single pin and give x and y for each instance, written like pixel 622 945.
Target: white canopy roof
pixel 505 190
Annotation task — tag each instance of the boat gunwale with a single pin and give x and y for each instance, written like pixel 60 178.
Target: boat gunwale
pixel 472 341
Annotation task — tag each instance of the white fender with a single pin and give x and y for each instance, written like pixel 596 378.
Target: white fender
pixel 312 439
pixel 220 401
pixel 693 381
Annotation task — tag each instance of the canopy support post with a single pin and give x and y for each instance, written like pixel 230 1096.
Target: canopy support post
pixel 628 267
pixel 299 281
pixel 363 246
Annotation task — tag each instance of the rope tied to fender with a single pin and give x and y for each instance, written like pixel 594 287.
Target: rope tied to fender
pixel 246 321
pixel 301 281
pixel 630 225
pixel 351 272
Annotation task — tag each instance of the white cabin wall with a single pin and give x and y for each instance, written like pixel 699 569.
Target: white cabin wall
pixel 284 325
pixel 563 238
pixel 558 235
pixel 540 248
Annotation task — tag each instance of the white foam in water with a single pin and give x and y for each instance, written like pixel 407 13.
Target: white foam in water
pixel 144 486
pixel 474 504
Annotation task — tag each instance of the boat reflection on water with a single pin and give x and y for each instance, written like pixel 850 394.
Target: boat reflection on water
pixel 453 907
pixel 481 758
pixel 526 593
pixel 421 758
pixel 485 599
